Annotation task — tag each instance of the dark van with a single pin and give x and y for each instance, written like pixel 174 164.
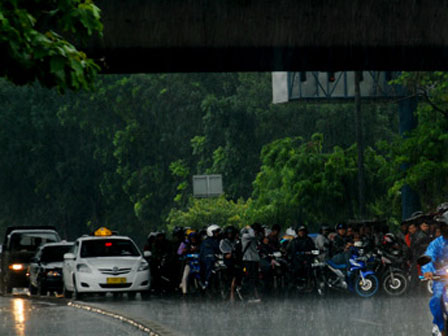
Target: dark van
pixel 19 246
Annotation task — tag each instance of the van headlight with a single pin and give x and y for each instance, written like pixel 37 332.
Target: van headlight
pixel 144 266
pixel 17 267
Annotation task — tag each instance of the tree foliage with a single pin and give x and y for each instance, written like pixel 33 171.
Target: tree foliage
pixel 424 150
pixel 124 154
pixel 298 183
pixel 37 42
pixel 203 212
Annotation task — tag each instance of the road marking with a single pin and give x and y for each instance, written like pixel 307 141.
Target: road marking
pixel 367 322
pixel 124 319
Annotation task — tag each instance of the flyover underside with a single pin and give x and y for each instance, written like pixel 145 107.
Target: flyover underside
pixel 269 35
pixel 184 59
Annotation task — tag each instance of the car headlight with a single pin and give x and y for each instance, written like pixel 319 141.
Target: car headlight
pixel 144 266
pixel 83 268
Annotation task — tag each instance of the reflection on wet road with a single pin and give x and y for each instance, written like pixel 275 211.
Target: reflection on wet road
pixel 342 315
pixel 20 316
pixel 336 315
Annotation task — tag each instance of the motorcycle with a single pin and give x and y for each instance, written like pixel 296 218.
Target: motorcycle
pixel 273 270
pixel 218 282
pixel 194 280
pixel 307 281
pixel 440 274
pixel 389 267
pixel 354 277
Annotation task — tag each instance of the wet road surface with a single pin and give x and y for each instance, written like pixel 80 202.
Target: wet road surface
pixel 307 315
pixel 338 315
pixel 22 316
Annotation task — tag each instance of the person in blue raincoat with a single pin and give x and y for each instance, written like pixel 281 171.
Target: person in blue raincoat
pixel 438 251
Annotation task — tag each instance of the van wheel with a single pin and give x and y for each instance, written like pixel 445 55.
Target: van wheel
pixel 32 289
pixel 67 294
pixel 41 290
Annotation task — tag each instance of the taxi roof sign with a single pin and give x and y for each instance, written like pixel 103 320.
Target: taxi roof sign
pixel 102 232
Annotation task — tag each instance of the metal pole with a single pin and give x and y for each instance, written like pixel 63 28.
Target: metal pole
pixel 360 145
pixel 410 201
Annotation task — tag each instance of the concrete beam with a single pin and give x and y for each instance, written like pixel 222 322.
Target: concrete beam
pixel 268 35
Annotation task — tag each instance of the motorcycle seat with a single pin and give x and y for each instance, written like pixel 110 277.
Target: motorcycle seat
pixel 337 266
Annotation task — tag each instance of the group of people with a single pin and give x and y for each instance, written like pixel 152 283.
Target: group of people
pixel 249 253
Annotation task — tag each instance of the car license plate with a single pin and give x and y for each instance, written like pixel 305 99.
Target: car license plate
pixel 114 281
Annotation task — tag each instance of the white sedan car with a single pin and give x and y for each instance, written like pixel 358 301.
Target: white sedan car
pixel 99 264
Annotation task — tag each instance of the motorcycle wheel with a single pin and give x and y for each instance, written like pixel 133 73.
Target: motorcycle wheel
pixel 396 286
pixel 368 287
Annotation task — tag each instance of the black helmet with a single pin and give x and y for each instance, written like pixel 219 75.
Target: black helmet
pixel 230 230
pixel 341 226
pixel 257 227
pixel 178 231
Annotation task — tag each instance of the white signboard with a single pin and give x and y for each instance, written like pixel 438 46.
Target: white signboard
pixel 207 185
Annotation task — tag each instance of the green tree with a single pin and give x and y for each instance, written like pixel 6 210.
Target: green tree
pixel 35 42
pixel 203 212
pixel 424 149
pixel 300 184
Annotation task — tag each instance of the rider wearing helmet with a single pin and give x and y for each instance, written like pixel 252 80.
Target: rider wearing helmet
pixel 438 251
pixel 209 249
pixel 189 246
pixel 340 247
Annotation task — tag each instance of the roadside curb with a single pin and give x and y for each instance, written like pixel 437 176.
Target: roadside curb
pixel 149 327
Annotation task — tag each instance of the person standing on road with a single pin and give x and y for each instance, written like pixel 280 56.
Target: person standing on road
pixel 410 242
pixel 421 239
pixel 228 247
pixel 438 251
pixel 274 237
pixel 299 253
pixel 250 236
pixel 323 243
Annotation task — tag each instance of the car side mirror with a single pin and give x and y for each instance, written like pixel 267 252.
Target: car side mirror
pixel 69 256
pixel 147 254
pixel 423 260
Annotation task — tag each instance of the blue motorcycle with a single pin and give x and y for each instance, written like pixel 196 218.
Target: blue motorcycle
pixel 440 275
pixel 354 276
pixel 193 267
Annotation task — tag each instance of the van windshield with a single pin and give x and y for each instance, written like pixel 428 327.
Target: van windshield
pixel 30 241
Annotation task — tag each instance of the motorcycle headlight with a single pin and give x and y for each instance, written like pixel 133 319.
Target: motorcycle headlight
pixel 144 266
pixel 83 268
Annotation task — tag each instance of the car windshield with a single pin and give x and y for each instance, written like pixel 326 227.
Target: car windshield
pixel 30 241
pixel 108 248
pixel 54 253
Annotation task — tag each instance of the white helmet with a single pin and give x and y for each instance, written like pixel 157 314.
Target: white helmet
pixel 212 228
pixel 443 218
pixel 291 232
